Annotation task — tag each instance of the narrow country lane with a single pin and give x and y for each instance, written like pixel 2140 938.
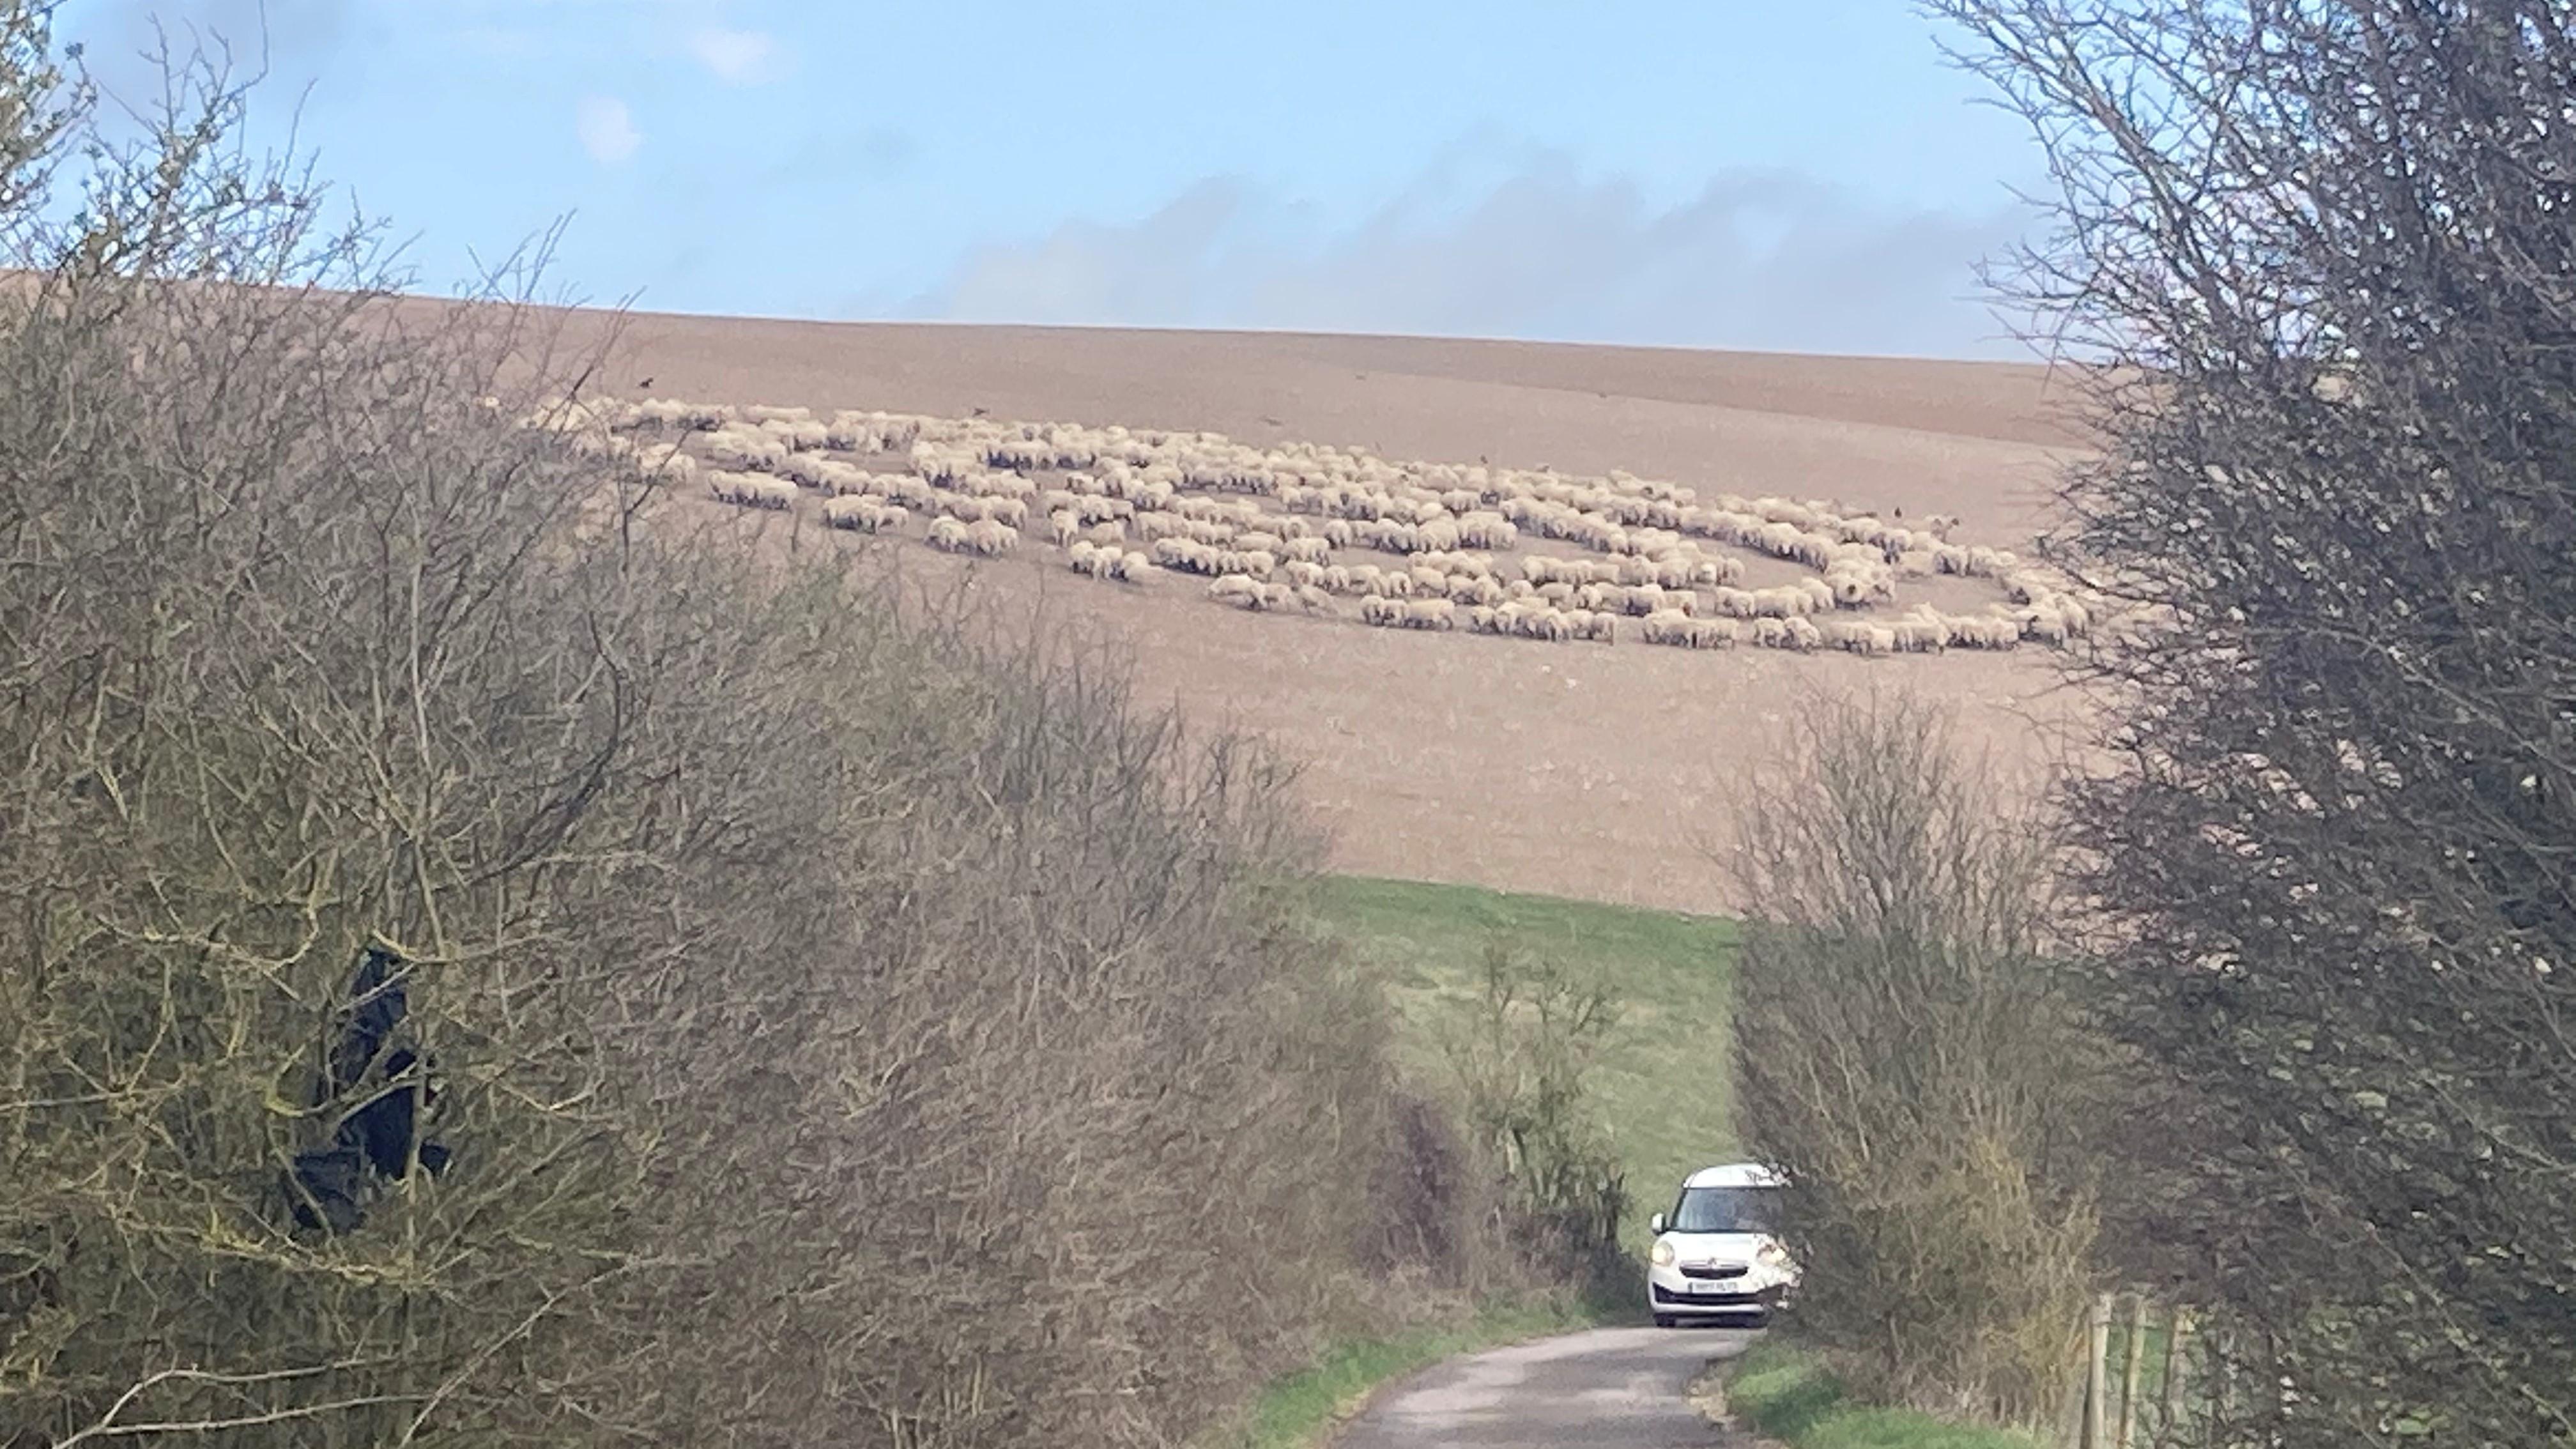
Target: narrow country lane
pixel 1615 1388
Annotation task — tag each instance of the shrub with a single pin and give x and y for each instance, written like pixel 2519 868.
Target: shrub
pixel 794 1021
pixel 2320 257
pixel 1904 1056
pixel 1521 1063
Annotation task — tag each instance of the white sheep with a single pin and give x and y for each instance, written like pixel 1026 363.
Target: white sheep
pixel 1237 589
pixel 1430 614
pixel 750 490
pixel 863 515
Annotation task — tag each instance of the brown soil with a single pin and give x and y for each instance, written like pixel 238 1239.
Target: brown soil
pixel 1575 769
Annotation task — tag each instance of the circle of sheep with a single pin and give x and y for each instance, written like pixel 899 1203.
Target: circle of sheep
pixel 1271 528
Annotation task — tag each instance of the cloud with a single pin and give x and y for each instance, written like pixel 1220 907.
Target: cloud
pixel 607 129
pixel 1758 259
pixel 737 57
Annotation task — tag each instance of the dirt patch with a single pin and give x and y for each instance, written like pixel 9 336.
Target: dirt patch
pixel 1579 770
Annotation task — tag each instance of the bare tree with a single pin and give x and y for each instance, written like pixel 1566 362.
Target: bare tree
pixel 2318 259
pixel 1904 1053
pixel 488 955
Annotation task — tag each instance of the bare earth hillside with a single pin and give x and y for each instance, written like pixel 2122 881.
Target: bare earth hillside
pixel 1578 770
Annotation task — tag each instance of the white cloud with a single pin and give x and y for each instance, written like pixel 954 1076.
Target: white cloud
pixel 1759 259
pixel 607 129
pixel 736 56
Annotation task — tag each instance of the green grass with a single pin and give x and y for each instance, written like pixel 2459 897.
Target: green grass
pixel 1662 1083
pixel 1783 1394
pixel 1296 1411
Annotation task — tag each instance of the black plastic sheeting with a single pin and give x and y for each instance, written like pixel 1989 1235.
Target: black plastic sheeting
pixel 366 1060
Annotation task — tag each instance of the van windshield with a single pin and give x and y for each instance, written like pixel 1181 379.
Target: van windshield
pixel 1725 1210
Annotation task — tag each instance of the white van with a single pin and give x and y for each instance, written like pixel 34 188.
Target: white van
pixel 1714 1255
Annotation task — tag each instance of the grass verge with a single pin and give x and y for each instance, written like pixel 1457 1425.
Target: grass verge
pixel 1298 1411
pixel 1661 1085
pixel 1781 1393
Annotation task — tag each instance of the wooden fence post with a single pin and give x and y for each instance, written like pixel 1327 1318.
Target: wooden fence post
pixel 2177 1367
pixel 2130 1376
pixel 2097 1373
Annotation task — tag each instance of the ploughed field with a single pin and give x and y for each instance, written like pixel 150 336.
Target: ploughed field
pixel 1531 656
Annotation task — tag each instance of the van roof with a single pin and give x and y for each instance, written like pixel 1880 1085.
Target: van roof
pixel 1734 1174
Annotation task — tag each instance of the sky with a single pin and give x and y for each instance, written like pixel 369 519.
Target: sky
pixel 1794 175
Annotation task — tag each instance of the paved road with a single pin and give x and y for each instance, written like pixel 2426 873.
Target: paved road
pixel 1615 1388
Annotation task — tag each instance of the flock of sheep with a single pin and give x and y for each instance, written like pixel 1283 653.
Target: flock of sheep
pixel 1281 528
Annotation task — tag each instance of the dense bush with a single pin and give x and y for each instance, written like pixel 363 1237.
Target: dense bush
pixel 1902 1053
pixel 1523 1061
pixel 2326 251
pixel 792 1022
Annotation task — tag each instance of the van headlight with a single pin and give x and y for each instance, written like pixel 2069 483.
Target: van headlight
pixel 1661 1254
pixel 1771 1255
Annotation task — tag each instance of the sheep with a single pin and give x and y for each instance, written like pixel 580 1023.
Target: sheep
pixel 1314 600
pixel 2043 625
pixel 1236 589
pixel 1307 550
pixel 992 536
pixel 1064 528
pixel 863 515
pixel 822 474
pixel 1544 623
pixel 1133 567
pixel 750 490
pixel 744 449
pixel 672 413
pixel 948 535
pixel 1430 614
pixel 1338 533
pixel 1188 556
pixel 1381 612
pixel 1918 634
pixel 798 435
pixel 1428 580
pixel 1111 532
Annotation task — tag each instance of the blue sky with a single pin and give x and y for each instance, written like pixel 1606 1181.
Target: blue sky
pixel 1790 174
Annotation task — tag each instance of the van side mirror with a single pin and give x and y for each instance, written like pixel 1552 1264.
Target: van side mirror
pixel 1655 1224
